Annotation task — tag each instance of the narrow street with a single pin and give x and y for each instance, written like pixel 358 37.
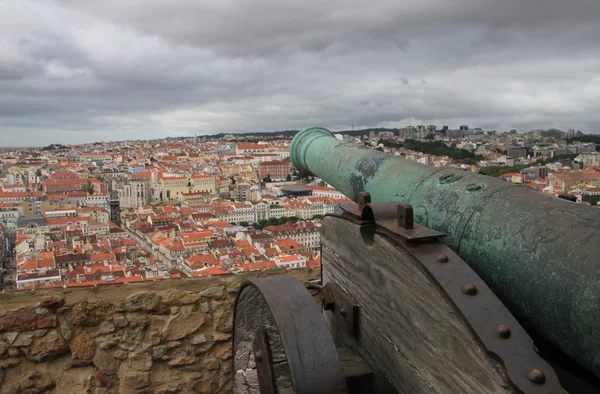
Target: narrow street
pixel 155 253
pixel 8 268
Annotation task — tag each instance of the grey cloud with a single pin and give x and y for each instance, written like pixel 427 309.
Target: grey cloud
pixel 75 71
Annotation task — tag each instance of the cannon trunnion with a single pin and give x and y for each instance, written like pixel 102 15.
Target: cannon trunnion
pixel 400 313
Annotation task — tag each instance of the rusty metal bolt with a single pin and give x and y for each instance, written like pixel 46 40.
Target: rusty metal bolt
pixel 328 299
pixel 469 289
pixel 259 357
pixel 536 376
pixel 502 330
pixel 441 258
pixel 364 198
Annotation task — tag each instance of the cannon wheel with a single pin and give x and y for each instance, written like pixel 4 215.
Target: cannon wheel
pixel 281 344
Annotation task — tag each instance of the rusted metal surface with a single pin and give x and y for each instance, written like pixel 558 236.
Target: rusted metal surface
pixel 387 215
pixel 262 357
pixel 539 254
pixel 498 330
pixel 309 350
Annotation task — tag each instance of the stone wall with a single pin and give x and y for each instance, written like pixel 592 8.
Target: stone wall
pixel 170 336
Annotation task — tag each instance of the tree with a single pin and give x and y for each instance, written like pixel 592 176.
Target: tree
pixel 273 221
pixel 304 175
pixel 244 224
pixel 267 178
pixel 38 172
pixel 89 188
pixel 288 177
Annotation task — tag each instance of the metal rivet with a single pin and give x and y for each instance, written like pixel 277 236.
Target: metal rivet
pixel 259 356
pixel 502 330
pixel 536 376
pixel 469 289
pixel 441 258
pixel 343 312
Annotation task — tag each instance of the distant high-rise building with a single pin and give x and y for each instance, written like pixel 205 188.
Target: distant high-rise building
pixel 517 151
pixel 464 127
pixel 455 133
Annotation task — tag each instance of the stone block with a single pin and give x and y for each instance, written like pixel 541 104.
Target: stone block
pixel 174 297
pixel 160 352
pixel 198 339
pixel 105 362
pixel 186 322
pixel 49 346
pixel 11 336
pixel 25 320
pixel 148 301
pixel 90 313
pixel 204 307
pixel 52 302
pixel 64 328
pixel 24 339
pixel 139 362
pixel 120 354
pixel 136 380
pixel 213 292
pixel 82 346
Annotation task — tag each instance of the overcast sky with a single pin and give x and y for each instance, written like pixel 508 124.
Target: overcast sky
pixel 74 71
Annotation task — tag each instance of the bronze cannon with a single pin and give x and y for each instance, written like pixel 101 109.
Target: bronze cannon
pixel 417 295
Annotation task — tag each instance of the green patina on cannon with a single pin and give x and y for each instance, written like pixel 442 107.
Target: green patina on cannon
pixel 539 254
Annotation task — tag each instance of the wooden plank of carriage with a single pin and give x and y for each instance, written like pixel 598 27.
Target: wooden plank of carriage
pixel 410 334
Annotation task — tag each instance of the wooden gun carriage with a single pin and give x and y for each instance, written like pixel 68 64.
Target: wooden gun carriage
pixel 436 281
pixel 399 313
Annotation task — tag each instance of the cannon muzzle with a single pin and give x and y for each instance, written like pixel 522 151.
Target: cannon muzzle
pixel 539 254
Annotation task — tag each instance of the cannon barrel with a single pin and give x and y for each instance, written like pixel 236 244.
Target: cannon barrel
pixel 539 254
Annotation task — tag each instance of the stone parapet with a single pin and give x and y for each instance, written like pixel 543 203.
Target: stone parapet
pixel 168 336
